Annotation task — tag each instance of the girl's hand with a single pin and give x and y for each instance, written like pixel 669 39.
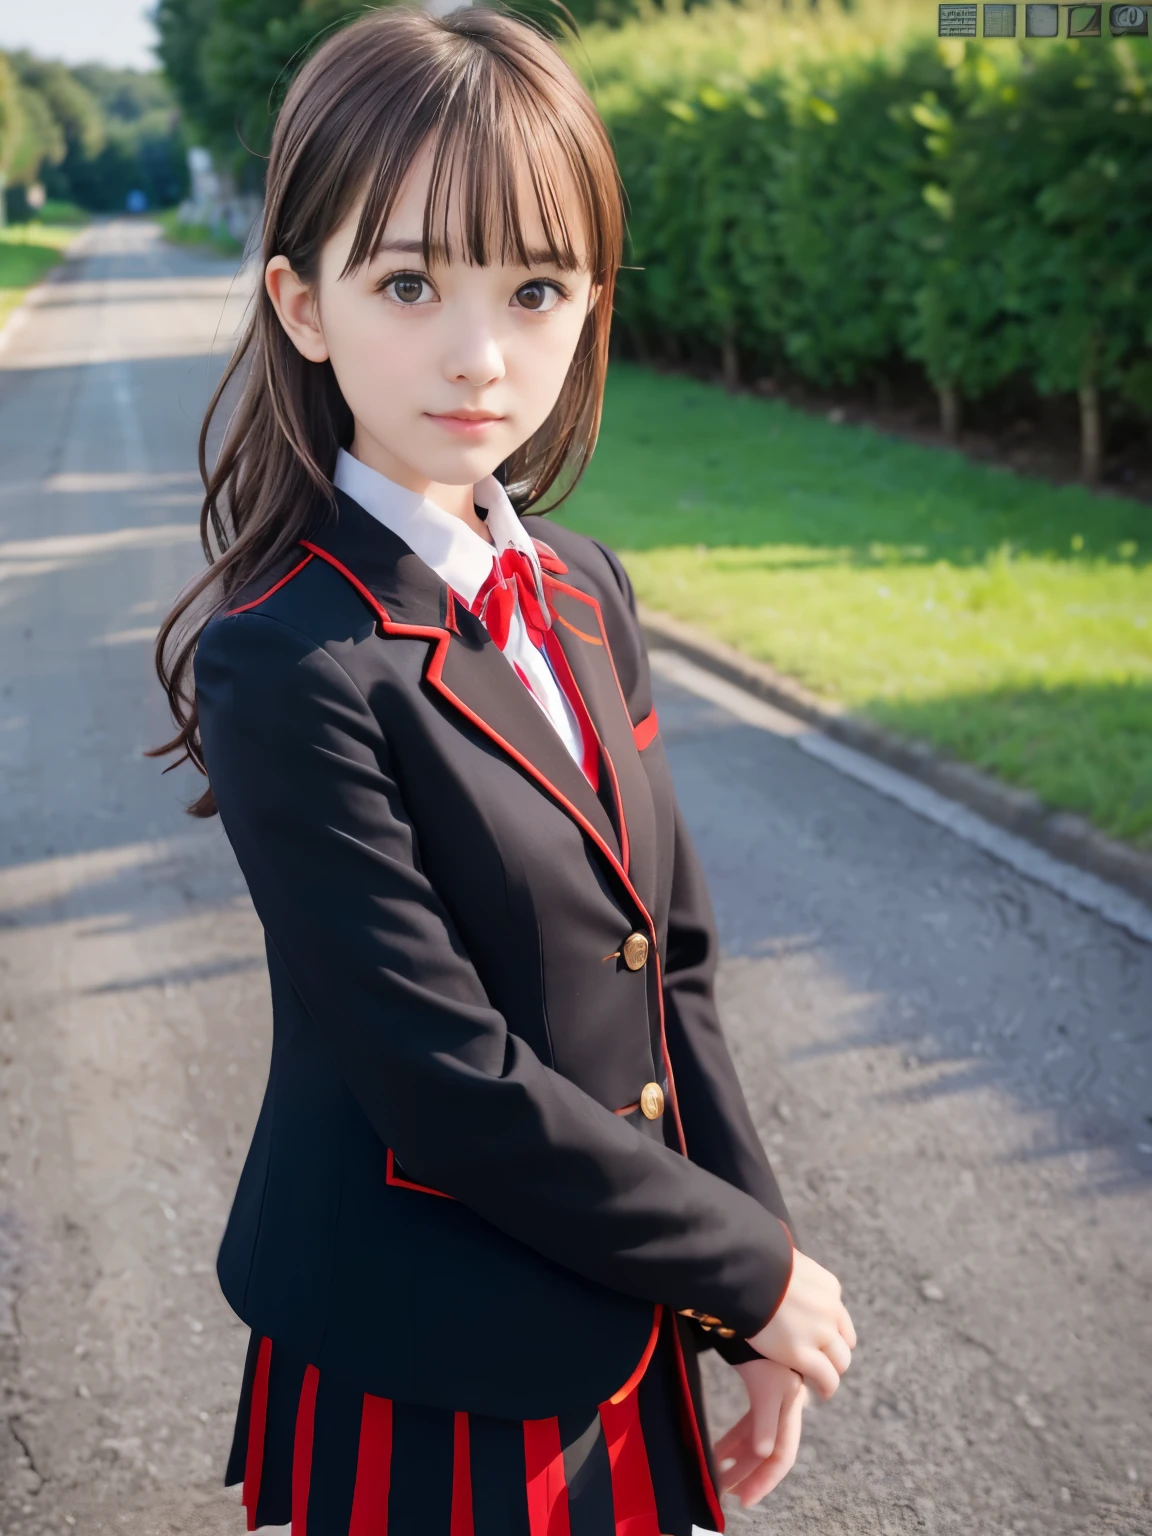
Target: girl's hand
pixel 759 1451
pixel 811 1331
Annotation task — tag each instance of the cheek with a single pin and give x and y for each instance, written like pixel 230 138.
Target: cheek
pixel 553 348
pixel 367 347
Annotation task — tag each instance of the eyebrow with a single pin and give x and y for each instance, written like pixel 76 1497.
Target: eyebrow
pixel 538 258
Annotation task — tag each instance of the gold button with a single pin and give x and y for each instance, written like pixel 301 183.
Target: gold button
pixel 726 1333
pixel 635 949
pixel 651 1101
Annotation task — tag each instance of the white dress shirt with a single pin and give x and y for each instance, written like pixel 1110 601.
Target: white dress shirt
pixel 462 559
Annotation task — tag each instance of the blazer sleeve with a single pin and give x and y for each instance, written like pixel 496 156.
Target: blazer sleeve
pixel 718 1128
pixel 301 771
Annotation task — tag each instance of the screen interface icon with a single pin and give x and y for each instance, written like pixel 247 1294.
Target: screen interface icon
pixel 1041 21
pixel 1129 20
pixel 1084 20
pixel 957 21
pixel 999 21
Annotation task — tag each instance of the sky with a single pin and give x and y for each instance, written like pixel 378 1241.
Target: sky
pixel 115 32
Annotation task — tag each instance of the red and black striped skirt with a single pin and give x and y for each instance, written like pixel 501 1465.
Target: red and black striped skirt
pixel 335 1461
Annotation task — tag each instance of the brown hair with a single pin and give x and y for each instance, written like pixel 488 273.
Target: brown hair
pixel 490 94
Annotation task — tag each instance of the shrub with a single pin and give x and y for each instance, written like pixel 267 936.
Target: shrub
pixel 842 195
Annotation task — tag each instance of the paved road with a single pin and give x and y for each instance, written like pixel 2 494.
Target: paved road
pixel 950 1064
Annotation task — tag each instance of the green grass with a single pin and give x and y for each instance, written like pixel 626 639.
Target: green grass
pixel 198 236
pixel 27 251
pixel 1004 620
pixel 57 211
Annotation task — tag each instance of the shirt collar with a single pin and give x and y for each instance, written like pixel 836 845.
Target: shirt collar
pixel 458 555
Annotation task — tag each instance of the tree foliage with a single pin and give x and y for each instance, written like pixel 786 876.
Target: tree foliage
pixel 11 117
pixel 984 211
pixel 89 134
pixel 231 61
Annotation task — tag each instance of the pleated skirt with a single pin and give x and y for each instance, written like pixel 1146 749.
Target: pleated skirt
pixel 334 1461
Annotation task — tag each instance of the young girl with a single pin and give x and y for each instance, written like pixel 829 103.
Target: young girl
pixel 504 1186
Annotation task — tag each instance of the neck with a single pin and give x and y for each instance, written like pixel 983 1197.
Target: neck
pixel 456 499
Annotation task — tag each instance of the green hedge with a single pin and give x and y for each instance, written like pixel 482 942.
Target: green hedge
pixel 840 197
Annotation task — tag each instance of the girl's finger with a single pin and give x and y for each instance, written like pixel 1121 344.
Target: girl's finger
pixel 731 1441
pixel 736 1460
pixel 732 1480
pixel 776 1468
pixel 847 1332
pixel 764 1410
pixel 773 1469
pixel 819 1372
pixel 839 1353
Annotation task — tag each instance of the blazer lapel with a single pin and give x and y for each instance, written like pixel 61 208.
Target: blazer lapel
pixel 578 628
pixel 475 677
pixel 464 665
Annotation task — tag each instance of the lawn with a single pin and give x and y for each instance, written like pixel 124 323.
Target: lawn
pixel 199 236
pixel 1005 620
pixel 26 253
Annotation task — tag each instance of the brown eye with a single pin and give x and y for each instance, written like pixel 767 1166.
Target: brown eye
pixel 408 288
pixel 538 296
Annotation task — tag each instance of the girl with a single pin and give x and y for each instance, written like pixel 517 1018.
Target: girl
pixel 504 1186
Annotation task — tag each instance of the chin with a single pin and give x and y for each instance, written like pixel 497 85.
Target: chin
pixel 464 468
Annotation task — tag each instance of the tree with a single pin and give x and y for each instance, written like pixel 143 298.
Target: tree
pixel 231 61
pixel 73 107
pixel 11 123
pixel 91 134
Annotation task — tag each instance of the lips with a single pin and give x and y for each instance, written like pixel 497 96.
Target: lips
pixel 471 417
pixel 466 423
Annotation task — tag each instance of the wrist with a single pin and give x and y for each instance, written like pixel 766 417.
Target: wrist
pixel 783 1291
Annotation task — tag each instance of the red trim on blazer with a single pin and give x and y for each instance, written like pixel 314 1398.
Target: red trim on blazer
pixel 591 639
pixel 787 1283
pixel 432 674
pixel 257 1421
pixel 633 1497
pixel 672 1095
pixel 645 1359
pixel 302 1451
pixel 393 1178
pixel 373 1469
pixel 549 559
pixel 283 582
pixel 697 1438
pixel 644 734
pixel 460 1518
pixel 590 743
pixel 450 612
pixel 545 1483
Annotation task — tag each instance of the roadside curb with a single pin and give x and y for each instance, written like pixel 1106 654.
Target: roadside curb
pixel 1060 833
pixel 33 295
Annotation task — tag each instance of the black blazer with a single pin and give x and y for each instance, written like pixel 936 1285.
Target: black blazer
pixel 451 1196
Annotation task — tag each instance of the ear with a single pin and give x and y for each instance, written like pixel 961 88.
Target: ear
pixel 295 304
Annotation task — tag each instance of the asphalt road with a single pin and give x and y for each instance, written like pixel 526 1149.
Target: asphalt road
pixel 949 1063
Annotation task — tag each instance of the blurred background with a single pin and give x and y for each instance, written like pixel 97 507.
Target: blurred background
pixel 877 447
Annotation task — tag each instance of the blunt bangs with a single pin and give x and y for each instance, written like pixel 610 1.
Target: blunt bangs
pixel 496 129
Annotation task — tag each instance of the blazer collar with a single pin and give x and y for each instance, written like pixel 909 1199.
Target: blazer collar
pixel 461 557
pixel 407 588
pixel 467 668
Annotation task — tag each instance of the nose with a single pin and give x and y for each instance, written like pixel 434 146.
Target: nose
pixel 475 356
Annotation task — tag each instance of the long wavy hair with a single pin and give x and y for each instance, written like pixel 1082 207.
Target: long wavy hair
pixel 490 95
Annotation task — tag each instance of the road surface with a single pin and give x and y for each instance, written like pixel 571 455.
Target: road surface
pixel 949 1063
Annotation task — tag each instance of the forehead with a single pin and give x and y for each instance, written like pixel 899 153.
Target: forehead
pixel 505 206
